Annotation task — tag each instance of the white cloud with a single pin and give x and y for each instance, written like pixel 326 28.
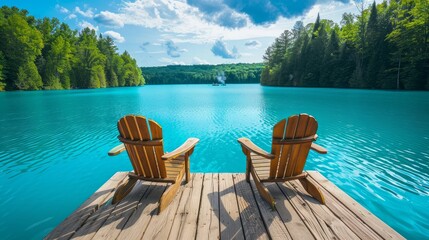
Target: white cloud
pixel 173 50
pixel 115 36
pixel 85 24
pixel 253 44
pixel 188 24
pixel 109 19
pixel 87 13
pixel 71 16
pixel 220 49
pixel 61 9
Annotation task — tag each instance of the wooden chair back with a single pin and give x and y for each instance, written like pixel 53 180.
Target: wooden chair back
pixel 292 140
pixel 144 144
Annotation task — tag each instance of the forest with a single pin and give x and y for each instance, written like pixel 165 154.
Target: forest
pixel 203 74
pixel 46 54
pixel 384 46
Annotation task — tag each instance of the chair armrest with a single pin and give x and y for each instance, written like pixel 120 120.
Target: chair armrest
pixel 184 148
pixel 249 145
pixel 116 150
pixel 318 148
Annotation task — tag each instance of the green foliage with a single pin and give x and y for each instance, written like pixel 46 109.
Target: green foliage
pixel 385 46
pixel 46 54
pixel 28 78
pixel 130 74
pixel 203 74
pixel 20 43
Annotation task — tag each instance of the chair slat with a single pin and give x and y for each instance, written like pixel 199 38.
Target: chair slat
pixel 131 123
pixel 289 150
pixel 123 129
pixel 131 155
pixel 278 132
pixel 310 130
pixel 299 126
pixel 125 132
pixel 156 130
pixel 159 151
pixel 302 126
pixel 152 161
pixel 143 128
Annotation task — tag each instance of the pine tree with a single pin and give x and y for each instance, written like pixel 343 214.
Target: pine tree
pixel 316 27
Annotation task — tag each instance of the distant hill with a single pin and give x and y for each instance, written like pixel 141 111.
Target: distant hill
pixel 203 74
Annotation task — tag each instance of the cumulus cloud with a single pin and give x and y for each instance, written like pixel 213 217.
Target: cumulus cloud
pixel 220 13
pixel 109 19
pixel 61 9
pixel 86 13
pixel 115 36
pixel 220 49
pixel 71 16
pixel 253 44
pixel 202 21
pixel 85 24
pixel 173 50
pixel 260 12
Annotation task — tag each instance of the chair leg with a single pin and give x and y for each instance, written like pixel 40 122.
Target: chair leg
pixel 170 193
pixel 263 190
pixel 123 190
pixel 248 168
pixel 187 169
pixel 312 190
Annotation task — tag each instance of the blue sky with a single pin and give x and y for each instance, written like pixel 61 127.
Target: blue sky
pixel 167 32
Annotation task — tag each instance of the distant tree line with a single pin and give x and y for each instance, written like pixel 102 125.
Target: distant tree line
pixel 46 54
pixel 203 74
pixel 385 46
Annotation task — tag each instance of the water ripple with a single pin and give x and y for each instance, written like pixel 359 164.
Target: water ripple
pixel 53 144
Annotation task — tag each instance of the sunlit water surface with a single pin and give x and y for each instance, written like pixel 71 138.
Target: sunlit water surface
pixel 53 144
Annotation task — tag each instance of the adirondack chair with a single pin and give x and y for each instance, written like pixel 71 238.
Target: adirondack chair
pixel 292 140
pixel 143 141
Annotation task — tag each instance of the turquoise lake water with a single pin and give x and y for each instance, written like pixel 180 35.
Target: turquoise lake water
pixel 53 144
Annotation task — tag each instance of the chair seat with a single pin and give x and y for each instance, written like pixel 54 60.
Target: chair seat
pixel 261 166
pixel 262 169
pixel 173 167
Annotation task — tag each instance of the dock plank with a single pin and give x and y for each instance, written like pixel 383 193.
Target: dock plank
pixel 272 220
pixel 222 206
pixel 230 223
pixel 160 224
pixel 145 209
pixel 126 207
pixel 187 211
pixel 208 218
pixel 324 214
pixel 73 222
pixel 249 212
pixel 316 226
pixel 99 218
pixel 291 219
pixel 188 228
pixel 348 217
pixel 384 230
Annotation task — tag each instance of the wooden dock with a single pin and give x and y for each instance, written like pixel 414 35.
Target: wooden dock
pixel 224 206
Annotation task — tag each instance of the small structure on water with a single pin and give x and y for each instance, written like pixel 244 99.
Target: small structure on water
pixel 220 79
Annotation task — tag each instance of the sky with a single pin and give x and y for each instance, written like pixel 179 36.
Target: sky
pixel 170 32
